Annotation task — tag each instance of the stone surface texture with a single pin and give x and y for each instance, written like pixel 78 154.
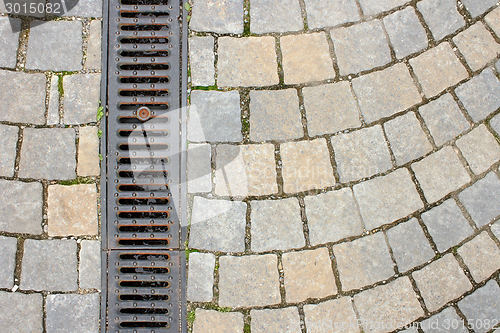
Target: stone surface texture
pixel 8 142
pixel 81 98
pixel 8 249
pixel 480 148
pixel 481 255
pixel 479 199
pixel 218 16
pixel 327 316
pixel 275 16
pixel 202 60
pixel 209 321
pixel 90 265
pixel 72 313
pixel 201 277
pixel 9 35
pixel 88 152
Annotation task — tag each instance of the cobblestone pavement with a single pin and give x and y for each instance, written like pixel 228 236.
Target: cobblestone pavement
pixel 344 166
pixel 49 171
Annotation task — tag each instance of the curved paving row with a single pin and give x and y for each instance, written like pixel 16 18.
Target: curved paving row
pixel 344 165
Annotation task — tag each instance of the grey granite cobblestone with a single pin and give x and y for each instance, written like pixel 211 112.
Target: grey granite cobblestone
pixel 495 124
pixel 90 265
pixel 495 228
pixel 480 149
pixel 21 313
pixel 275 16
pixel 84 8
pixel 480 199
pixel 201 277
pixel 373 7
pixel 8 142
pixel 276 320
pixel 81 98
pixel 8 249
pixel 53 117
pixel 329 13
pixel 199 168
pixel 218 16
pixel 327 316
pixel 9 41
pixel 481 255
pixel 202 60
pixel 478 7
pixel 483 304
pixel 446 321
pixel 72 313
pixel 441 16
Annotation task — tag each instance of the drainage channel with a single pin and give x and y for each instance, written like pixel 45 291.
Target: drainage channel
pixel 142 195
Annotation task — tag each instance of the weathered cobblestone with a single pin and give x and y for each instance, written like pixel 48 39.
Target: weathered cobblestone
pixel 480 199
pixel 83 8
pixel 275 16
pixel 8 248
pixel 481 255
pixel 481 95
pixel 326 316
pixel 306 58
pixel 385 199
pixel 209 321
pixel 248 281
pixel 215 116
pixel 438 69
pixel 306 165
pixel 440 173
pixel 330 108
pixel 477 45
pixel 218 16
pixel 495 124
pixel 480 149
pixel 493 20
pixel 363 261
pixel 275 115
pixel 407 139
pixel 218 225
pixel 81 98
pixel 94 46
pixel 199 168
pixel 444 119
pixel 22 313
pixel 247 61
pixel 9 41
pixel 28 106
pixel 330 13
pixel 441 16
pixel 90 264
pixel 55 45
pixel 202 60
pixel 441 281
pixel 384 93
pixel 8 142
pixel 201 277
pixel 442 322
pixel 49 265
pixel 478 7
pixel 21 207
pixel 373 7
pixel 361 154
pixel 483 304
pixel 495 228
pixel 316 266
pixel 409 245
pixel 361 47
pixel 53 117
pixel 249 170
pixel 392 304
pixel 88 152
pixel 447 225
pixel 277 320
pixel 405 32
pixel 332 216
pixel 73 313
pixel 285 230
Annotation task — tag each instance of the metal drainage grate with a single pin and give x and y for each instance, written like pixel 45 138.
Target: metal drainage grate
pixel 143 168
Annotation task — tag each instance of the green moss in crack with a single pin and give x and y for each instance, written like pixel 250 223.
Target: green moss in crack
pixel 77 181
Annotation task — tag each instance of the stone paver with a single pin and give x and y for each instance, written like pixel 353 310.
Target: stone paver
pixel 248 281
pixel 28 106
pixel 308 274
pixel 306 165
pixel 438 69
pixel 215 116
pixel 218 16
pixel 218 225
pixel 276 225
pixel 81 98
pixel 73 313
pixel 483 304
pixel 409 245
pixel 21 207
pixel 49 265
pixel 444 119
pixel 385 199
pixel 361 154
pixel 275 115
pixel 21 313
pixel 405 32
pixel 495 228
pixel 53 117
pixel 209 321
pixel 199 168
pixel 245 170
pixel 386 307
pixel 278 320
pixel 94 46
pixel 330 108
pixel 361 47
pixel 306 58
pixel 495 124
pixel 55 45
pixel 275 16
pixel 478 7
pixel 493 20
pixel 407 139
pixel 88 152
pixel 363 261
pixel 8 248
pixel 247 61
pixel 83 8
pixel 447 321
pixel 330 316
pixel 480 199
pixel 372 7
pixel 441 281
pixel 481 255
pixel 441 16
pixel 202 60
pixel 332 216
pixel 8 142
pixel 480 95
pixel 90 264
pixel 329 13
pixel 477 45
pixel 9 35
pixel 384 93
pixel 447 225
pixel 480 149
pixel 72 210
pixel 440 173
pixel 201 277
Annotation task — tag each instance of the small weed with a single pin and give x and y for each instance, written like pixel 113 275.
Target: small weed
pixel 187 6
pixel 99 133
pixel 100 112
pixel 191 316
pixel 60 87
pixel 438 255
pixel 454 249
pixel 246 328
pixel 214 87
pixel 214 307
pixel 245 124
pixel 100 157
pixel 79 180
pixel 188 252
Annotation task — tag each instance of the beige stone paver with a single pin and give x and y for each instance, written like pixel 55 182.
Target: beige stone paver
pixel 276 320
pixel 247 62
pixel 438 69
pixel 210 321
pixel 441 282
pixel 221 17
pixel 493 20
pixel 331 316
pixel 306 58
pixel 88 152
pixel 480 148
pixel 275 16
pixel 306 166
pixel 94 50
pixel 308 274
pixel 481 255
